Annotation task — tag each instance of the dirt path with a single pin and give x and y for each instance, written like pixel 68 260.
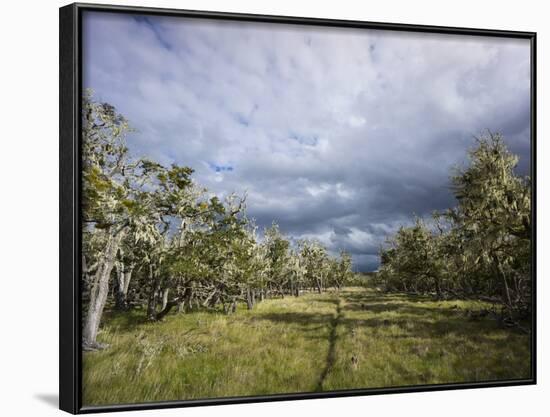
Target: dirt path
pixel 333 337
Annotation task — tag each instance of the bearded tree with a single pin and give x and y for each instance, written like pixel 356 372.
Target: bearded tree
pixel 277 248
pixel 186 267
pixel 296 271
pixel 493 217
pixel 340 270
pixel 316 264
pixel 173 200
pixel 232 244
pixel 410 263
pixel 259 270
pixel 123 199
pixel 105 163
pixel 481 247
pixel 204 262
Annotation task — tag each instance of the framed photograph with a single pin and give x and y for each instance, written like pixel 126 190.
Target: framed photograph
pixel 261 208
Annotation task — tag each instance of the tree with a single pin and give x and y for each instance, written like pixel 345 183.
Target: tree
pixel 316 263
pixel 277 248
pixel 411 263
pixel 482 246
pixel 105 189
pixel 124 198
pixel 340 270
pixel 493 217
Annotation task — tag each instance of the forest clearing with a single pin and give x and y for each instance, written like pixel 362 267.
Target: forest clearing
pixel 353 338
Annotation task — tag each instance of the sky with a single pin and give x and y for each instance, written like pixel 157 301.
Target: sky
pixel 339 135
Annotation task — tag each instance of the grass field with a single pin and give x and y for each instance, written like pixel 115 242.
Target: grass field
pixel 357 338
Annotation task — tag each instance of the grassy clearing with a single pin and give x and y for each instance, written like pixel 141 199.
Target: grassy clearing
pixel 300 345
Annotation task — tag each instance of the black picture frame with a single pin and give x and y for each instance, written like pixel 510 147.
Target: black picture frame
pixel 70 89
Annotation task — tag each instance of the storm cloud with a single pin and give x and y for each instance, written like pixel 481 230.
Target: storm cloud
pixel 336 134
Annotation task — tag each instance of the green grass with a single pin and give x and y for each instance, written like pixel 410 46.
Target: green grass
pixel 300 344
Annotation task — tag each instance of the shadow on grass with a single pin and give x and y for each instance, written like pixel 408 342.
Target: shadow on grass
pixel 331 355
pixel 358 297
pixel 303 319
pixel 408 312
pixel 332 300
pixel 125 321
pixel 412 321
pixel 130 320
pixel 405 309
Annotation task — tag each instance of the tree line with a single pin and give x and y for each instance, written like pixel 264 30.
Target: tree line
pixel 153 237
pixel 481 248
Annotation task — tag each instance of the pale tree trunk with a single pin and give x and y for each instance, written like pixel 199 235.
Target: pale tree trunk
pixel 183 301
pixel 85 274
pixel 165 298
pixel 208 302
pixel 506 289
pixel 152 306
pixel 124 275
pixel 153 295
pixel 99 291
pixel 438 290
pixel 249 299
pixel 186 300
pixel 127 279
pixel 169 305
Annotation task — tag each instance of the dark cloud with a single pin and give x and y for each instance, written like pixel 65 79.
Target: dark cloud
pixel 340 135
